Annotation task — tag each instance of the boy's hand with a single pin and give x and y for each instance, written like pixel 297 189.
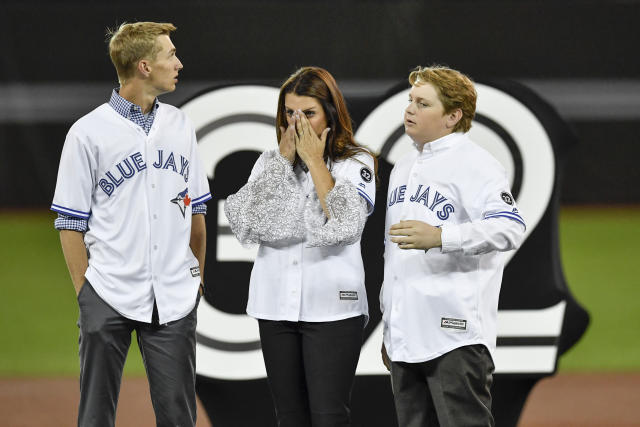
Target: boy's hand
pixel 415 235
pixel 385 358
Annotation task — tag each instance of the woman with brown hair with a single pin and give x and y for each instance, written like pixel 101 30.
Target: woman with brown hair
pixel 306 204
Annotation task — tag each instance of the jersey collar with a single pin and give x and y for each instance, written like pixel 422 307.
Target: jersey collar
pixel 124 107
pixel 439 145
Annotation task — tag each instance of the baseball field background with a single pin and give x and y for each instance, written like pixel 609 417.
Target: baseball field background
pixel 596 384
pixel 577 55
pixel 600 250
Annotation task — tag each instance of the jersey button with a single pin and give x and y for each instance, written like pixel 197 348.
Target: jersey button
pixel 153 186
pixel 155 247
pixel 295 262
pixel 155 216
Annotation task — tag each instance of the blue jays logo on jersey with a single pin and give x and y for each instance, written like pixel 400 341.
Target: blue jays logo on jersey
pixel 182 200
pixel 134 163
pixel 436 200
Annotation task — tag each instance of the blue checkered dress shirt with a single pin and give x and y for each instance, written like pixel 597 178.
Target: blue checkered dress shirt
pixel 133 112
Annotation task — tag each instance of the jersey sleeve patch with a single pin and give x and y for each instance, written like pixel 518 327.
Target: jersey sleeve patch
pixel 366 174
pixel 507 198
pixel 359 171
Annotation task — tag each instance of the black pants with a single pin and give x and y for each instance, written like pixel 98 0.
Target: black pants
pixel 311 367
pixel 168 352
pixel 451 390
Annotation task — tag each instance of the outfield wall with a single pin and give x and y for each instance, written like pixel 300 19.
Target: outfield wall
pixel 575 54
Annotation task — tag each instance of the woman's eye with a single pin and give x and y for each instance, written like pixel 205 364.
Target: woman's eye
pixel 289 113
pixel 309 113
pixel 422 104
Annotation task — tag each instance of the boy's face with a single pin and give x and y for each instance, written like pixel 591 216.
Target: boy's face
pixel 424 117
pixel 165 67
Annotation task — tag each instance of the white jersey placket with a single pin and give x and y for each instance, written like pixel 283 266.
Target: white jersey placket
pixel 152 193
pixel 296 258
pixel 408 211
pixel 398 288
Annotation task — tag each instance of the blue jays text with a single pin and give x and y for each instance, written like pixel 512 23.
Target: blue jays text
pixel 128 167
pixel 422 196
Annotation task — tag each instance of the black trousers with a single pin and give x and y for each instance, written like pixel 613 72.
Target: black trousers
pixel 310 368
pixel 451 390
pixel 168 352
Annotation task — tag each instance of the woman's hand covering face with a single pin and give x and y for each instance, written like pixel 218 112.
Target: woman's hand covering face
pixel 308 145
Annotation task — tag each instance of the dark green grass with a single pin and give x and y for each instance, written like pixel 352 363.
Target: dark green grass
pixel 38 310
pixel 601 257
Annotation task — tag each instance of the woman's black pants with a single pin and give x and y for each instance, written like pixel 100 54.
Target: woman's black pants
pixel 311 367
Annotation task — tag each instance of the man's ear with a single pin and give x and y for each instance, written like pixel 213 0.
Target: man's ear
pixel 144 67
pixel 453 118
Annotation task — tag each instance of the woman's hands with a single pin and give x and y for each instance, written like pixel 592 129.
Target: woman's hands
pixel 309 147
pixel 288 142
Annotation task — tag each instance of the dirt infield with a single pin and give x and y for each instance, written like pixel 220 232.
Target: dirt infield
pixel 592 400
pixel 54 403
pixel 585 400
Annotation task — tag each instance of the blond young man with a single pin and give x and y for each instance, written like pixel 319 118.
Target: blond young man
pixel 130 200
pixel 450 216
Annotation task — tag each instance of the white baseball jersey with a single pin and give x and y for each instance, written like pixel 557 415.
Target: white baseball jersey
pixel 136 191
pixel 315 284
pixel 446 298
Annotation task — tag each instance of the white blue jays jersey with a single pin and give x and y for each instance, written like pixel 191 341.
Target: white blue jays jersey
pixel 294 282
pixel 137 192
pixel 446 298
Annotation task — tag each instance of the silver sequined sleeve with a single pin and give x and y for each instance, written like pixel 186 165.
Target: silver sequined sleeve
pixel 347 212
pixel 268 208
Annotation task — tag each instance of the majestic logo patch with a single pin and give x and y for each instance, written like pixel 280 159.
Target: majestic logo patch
pixel 195 271
pixel 366 174
pixel 447 322
pixel 507 198
pixel 348 295
pixel 182 200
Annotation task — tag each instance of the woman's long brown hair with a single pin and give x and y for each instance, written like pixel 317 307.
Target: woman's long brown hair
pixel 318 83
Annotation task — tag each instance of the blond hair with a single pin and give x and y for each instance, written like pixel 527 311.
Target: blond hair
pixel 135 41
pixel 455 90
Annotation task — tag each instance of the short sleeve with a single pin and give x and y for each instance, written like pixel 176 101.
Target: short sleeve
pixel 359 170
pixel 76 178
pixel 198 180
